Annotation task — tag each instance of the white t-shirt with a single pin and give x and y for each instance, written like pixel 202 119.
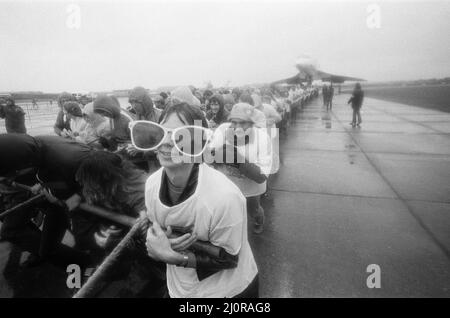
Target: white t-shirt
pixel 217 213
pixel 258 151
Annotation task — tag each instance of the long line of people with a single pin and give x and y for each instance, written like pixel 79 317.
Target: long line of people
pixel 123 160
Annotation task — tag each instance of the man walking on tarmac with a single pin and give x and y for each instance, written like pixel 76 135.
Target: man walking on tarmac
pixel 330 93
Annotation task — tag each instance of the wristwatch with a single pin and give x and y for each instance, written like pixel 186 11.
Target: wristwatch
pixel 185 261
pixel 189 260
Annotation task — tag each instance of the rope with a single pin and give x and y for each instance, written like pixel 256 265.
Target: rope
pixel 21 205
pixel 89 289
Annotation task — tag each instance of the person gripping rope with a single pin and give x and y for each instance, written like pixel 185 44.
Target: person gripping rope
pixel 72 111
pixel 246 148
pixel 56 160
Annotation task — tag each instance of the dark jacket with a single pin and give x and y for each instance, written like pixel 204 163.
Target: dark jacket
pixel 61 122
pixel 357 99
pixel 57 159
pixel 18 151
pixel 60 159
pixel 14 119
pixel 120 133
pixel 150 112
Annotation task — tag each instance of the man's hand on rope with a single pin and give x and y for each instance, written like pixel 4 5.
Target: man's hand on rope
pixel 49 196
pixel 73 202
pixel 139 239
pixel 36 188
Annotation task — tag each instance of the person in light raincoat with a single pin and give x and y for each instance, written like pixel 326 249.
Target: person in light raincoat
pixel 97 126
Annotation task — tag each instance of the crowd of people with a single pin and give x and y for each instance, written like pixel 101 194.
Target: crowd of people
pixel 193 163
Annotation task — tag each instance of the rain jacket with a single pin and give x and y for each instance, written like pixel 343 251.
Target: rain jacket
pixel 18 151
pixel 96 127
pixel 61 158
pixel 184 94
pixel 150 112
pixel 119 118
pixel 14 119
pixel 356 99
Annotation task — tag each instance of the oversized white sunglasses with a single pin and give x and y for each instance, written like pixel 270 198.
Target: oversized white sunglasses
pixel 189 140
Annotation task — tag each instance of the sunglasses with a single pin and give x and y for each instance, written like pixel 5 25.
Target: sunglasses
pixel 191 141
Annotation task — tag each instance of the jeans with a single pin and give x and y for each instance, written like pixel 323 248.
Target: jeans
pixel 329 103
pixel 356 112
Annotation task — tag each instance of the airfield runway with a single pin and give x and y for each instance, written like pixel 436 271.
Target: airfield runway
pixel 344 198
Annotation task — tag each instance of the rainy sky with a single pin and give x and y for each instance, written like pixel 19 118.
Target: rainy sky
pixel 104 45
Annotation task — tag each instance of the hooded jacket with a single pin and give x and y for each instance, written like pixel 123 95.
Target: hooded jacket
pixel 56 158
pixel 228 101
pixel 150 112
pixel 184 94
pixel 61 158
pixel 96 127
pixel 14 119
pixel 357 99
pixel 18 151
pixel 120 133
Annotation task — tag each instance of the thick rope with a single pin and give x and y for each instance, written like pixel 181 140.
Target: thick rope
pixel 22 205
pixel 89 289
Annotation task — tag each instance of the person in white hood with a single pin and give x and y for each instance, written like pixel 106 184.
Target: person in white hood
pixel 184 94
pixel 243 153
pixel 97 126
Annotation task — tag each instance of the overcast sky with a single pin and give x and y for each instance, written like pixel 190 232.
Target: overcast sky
pixel 120 44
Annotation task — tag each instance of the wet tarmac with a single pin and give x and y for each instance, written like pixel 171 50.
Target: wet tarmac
pixel 344 198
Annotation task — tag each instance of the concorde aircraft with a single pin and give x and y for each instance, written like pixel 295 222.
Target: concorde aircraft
pixel 307 72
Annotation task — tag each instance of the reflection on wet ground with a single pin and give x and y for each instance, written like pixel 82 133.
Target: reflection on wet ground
pixel 348 197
